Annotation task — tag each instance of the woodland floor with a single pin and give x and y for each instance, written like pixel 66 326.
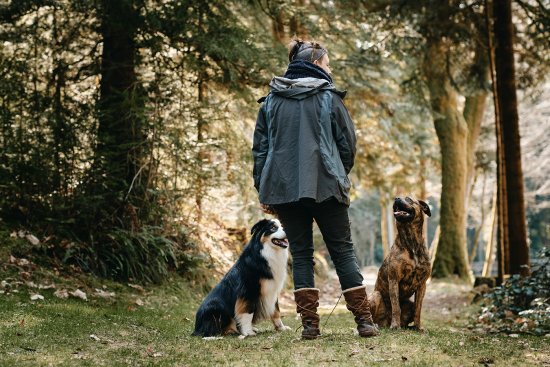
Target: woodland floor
pixel 121 325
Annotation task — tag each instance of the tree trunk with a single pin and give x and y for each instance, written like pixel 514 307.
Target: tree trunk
pixel 475 242
pixel 278 27
pixel 371 248
pixel 501 205
pixel 490 249
pixel 121 129
pixel 506 92
pixel 433 246
pixel 422 193
pixel 202 155
pixel 474 109
pixel 296 26
pixel 452 132
pixel 384 228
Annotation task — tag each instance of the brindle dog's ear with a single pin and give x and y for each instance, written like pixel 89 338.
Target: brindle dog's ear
pixel 425 208
pixel 258 226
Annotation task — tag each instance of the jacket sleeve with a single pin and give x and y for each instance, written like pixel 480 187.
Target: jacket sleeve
pixel 260 147
pixel 343 131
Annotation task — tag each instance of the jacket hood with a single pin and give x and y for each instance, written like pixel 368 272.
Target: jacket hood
pixel 302 87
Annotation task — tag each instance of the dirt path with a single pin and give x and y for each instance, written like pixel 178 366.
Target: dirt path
pixel 443 299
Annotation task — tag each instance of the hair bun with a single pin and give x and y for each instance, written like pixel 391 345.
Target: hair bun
pixel 294 47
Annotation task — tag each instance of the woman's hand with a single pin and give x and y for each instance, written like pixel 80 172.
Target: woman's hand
pixel 267 209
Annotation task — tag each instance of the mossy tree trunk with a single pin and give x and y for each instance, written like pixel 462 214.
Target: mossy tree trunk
pixel 474 110
pixel 452 132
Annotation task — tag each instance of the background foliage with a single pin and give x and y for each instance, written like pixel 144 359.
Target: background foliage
pixel 198 67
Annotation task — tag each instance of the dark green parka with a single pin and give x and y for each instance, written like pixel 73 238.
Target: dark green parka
pixel 304 143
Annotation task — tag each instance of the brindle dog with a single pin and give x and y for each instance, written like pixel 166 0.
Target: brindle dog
pixel 404 271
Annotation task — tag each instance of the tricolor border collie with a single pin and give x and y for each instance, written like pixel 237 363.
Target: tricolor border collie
pixel 248 292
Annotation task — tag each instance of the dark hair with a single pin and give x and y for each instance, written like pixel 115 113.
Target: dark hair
pixel 305 50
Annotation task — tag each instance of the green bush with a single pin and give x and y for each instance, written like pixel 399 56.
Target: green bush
pixel 521 304
pixel 145 256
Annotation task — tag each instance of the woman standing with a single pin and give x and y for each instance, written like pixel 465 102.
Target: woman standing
pixel 304 148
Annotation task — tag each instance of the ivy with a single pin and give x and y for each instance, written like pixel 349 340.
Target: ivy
pixel 521 304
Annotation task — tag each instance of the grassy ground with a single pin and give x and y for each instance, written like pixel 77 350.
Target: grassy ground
pixel 153 328
pixel 120 325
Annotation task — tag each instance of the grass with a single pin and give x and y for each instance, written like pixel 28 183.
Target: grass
pixel 152 326
pixel 58 332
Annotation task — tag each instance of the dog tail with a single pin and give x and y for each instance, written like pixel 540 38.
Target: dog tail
pixel 210 323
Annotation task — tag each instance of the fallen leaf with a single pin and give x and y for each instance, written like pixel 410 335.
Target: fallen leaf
pixel 353 352
pixel 217 337
pixel 61 293
pixel 79 294
pixel 137 287
pixel 32 239
pixel 514 335
pixel 95 337
pixel 36 297
pixel 46 286
pixel 79 355
pixel 156 354
pixel 103 294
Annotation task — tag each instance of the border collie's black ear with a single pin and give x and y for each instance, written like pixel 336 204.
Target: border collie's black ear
pixel 425 208
pixel 258 226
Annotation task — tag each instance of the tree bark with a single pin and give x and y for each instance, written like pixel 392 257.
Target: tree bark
pixel 452 132
pixel 490 247
pixel 501 204
pixel 384 228
pixel 474 109
pixel 509 119
pixel 479 230
pixel 121 137
pixel 278 27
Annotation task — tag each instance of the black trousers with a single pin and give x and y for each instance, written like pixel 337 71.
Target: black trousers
pixel 333 221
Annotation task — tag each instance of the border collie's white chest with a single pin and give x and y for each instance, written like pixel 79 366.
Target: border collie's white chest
pixel 270 288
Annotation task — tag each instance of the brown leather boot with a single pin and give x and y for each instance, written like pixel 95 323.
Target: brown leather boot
pixel 357 302
pixel 307 301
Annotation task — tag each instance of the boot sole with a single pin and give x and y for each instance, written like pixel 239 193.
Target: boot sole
pixel 310 337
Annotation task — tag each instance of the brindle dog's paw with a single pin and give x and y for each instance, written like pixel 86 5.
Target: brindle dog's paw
pixel 395 327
